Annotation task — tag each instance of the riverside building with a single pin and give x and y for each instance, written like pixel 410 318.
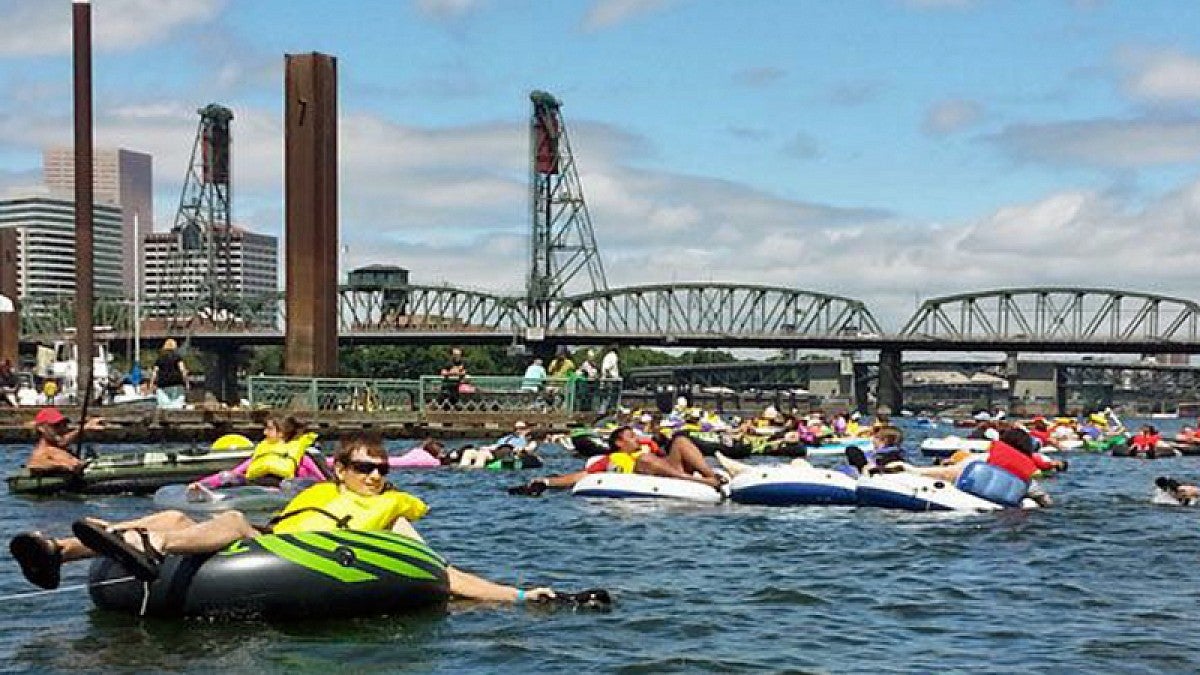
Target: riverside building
pixel 247 266
pixel 45 228
pixel 119 177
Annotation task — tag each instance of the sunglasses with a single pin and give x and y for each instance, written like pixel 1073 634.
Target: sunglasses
pixel 365 468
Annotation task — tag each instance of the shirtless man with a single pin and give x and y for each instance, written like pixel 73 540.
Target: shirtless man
pixel 52 455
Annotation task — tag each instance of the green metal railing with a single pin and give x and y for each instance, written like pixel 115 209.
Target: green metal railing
pixel 431 393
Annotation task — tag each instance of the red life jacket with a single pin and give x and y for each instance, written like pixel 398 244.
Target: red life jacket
pixel 1145 442
pixel 1005 456
pixel 1043 437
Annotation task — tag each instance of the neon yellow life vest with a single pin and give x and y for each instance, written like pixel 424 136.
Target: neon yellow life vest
pixel 329 506
pixel 278 459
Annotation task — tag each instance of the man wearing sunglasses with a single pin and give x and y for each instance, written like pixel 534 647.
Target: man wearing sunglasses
pixel 360 498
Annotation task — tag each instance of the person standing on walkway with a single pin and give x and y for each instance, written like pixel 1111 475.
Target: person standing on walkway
pixel 610 380
pixel 169 380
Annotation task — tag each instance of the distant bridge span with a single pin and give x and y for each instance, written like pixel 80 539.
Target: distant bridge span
pixel 1076 320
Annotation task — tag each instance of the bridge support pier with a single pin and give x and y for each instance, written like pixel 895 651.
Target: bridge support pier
pixel 220 373
pixel 10 322
pixel 860 402
pixel 311 214
pixel 891 380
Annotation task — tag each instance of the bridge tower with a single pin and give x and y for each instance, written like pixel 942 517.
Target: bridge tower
pixel 198 266
pixel 563 243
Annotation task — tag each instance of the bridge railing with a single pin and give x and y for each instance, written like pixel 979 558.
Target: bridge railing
pixel 431 393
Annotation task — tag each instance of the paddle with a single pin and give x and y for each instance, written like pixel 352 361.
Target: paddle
pixel 83 415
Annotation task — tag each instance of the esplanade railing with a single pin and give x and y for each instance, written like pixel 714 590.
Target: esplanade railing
pixel 476 394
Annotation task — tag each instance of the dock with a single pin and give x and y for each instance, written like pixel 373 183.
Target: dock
pixel 206 425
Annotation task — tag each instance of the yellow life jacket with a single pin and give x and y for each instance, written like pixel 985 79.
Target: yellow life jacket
pixel 329 506
pixel 278 459
pixel 853 428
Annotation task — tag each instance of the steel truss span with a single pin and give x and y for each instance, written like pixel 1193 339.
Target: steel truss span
pixel 1048 315
pixel 711 309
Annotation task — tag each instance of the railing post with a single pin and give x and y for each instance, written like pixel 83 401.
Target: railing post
pixel 312 393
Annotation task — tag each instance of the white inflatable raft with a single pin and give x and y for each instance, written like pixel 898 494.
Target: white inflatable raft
pixel 913 492
pixel 792 486
pixel 944 447
pixel 633 485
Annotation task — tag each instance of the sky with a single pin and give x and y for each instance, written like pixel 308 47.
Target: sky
pixel 885 150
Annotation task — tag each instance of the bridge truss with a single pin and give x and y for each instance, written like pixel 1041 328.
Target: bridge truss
pixel 1050 315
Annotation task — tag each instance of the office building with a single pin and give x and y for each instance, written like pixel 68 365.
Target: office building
pixel 120 177
pixel 45 228
pixel 172 276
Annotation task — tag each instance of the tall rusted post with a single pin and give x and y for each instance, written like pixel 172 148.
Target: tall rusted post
pixel 10 322
pixel 311 213
pixel 82 32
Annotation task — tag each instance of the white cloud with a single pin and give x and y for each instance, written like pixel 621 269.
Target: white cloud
pixel 449 9
pixel 1160 76
pixel 450 205
pixel 1109 144
pixel 41 27
pixel 950 116
pixel 608 13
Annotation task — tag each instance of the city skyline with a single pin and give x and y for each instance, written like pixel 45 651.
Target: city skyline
pixel 886 151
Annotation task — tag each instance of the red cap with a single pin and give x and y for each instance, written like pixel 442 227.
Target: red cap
pixel 49 416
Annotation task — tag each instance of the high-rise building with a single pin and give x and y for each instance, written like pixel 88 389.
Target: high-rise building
pixel 46 245
pixel 172 275
pixel 119 176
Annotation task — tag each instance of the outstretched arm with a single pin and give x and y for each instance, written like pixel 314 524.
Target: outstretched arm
pixel 470 587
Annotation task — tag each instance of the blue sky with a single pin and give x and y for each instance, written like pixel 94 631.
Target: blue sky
pixel 883 149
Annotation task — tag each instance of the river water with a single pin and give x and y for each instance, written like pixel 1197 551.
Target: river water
pixel 1102 582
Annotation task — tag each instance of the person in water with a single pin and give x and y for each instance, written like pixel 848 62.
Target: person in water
pixel 682 460
pixel 886 454
pixel 51 454
pixel 283 454
pixel 359 498
pixel 1183 493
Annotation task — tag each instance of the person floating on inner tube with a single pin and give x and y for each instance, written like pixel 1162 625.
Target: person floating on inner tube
pixel 283 454
pixel 630 455
pixel 885 456
pixel 1014 452
pixel 360 498
pixel 51 454
pixel 1183 493
pixel 1145 441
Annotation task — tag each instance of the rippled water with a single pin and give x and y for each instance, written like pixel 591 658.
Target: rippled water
pixel 1102 582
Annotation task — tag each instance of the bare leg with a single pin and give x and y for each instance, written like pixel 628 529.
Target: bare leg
pixel 652 465
pixel 206 537
pixel 684 455
pixel 162 521
pixel 733 466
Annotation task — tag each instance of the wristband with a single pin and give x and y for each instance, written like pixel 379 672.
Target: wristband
pixel 520 596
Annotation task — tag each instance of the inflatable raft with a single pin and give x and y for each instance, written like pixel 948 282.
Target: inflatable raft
pixel 944 447
pixel 913 492
pixel 135 473
pixel 632 485
pixel 240 497
pixel 288 576
pixel 1159 452
pixel 792 486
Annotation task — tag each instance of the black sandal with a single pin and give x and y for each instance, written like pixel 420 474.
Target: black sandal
pixel 40 559
pixel 141 564
pixel 592 598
